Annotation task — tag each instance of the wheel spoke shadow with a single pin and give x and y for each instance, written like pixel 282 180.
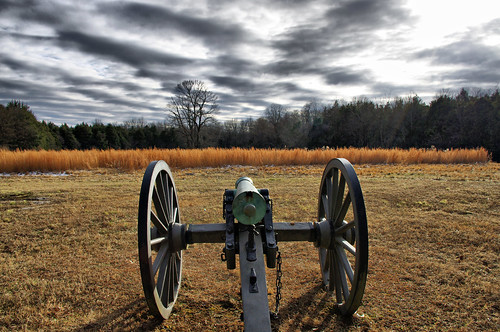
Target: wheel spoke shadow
pixel 313 311
pixel 131 317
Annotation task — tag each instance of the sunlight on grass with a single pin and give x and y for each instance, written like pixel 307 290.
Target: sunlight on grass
pixel 50 161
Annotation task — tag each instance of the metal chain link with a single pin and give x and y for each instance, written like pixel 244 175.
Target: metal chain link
pixel 279 274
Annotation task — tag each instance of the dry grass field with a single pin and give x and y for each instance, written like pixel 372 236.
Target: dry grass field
pixel 68 252
pixel 55 161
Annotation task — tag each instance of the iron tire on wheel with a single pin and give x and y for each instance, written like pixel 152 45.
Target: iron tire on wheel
pixel 160 265
pixel 343 254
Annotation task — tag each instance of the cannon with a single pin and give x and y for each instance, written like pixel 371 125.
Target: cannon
pixel 340 233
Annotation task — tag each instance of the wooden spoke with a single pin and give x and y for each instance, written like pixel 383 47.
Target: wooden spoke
pixel 160 189
pixel 159 258
pixel 343 242
pixel 345 227
pixel 338 281
pixel 158 240
pixel 333 193
pixel 326 267
pixel 160 210
pixel 346 265
pixel 343 280
pixel 171 279
pixel 175 276
pixel 326 207
pixel 343 211
pixel 162 229
pixel 328 191
pixel 166 186
pixel 339 196
pixel 162 276
pixel 331 271
pixel 171 201
pixel 174 216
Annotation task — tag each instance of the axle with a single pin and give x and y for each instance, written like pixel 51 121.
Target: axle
pixel 285 232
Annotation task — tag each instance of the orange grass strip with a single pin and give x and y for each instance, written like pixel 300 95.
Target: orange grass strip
pixel 57 161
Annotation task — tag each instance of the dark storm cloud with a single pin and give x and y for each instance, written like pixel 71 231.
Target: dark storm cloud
pixel 14 64
pixel 163 21
pixel 292 67
pixel 248 87
pixel 9 4
pixel 63 76
pixel 103 96
pixel 347 28
pixel 301 41
pixel 50 97
pixel 49 13
pixel 114 96
pixel 22 37
pixel 12 86
pixel 479 75
pixel 160 74
pixel 221 4
pixel 366 15
pixel 467 52
pixel 235 65
pixel 259 96
pixel 234 83
pixel 475 60
pixel 133 55
pixel 341 75
pixel 234 106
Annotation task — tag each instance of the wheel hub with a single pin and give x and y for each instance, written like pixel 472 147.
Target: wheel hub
pixel 176 238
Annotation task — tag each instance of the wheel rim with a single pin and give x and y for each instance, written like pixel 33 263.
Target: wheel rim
pixel 344 260
pixel 161 267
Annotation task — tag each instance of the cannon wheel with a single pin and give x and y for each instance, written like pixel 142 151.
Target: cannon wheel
pixel 161 267
pixel 344 264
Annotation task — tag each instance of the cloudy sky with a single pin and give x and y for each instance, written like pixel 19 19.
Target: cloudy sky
pixel 78 61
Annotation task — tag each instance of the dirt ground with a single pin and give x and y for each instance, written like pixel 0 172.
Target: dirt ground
pixel 68 251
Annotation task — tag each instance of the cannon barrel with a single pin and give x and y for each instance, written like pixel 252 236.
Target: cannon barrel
pixel 249 207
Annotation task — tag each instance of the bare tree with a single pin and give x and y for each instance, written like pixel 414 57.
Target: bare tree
pixel 274 113
pixel 191 108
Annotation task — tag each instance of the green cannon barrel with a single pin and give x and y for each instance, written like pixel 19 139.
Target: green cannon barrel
pixel 249 207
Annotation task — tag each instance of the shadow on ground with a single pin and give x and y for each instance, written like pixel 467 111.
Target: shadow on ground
pixel 131 317
pixel 313 311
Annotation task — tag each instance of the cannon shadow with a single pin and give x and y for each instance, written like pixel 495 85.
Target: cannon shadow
pixel 313 310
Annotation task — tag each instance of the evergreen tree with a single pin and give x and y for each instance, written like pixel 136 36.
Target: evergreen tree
pixel 83 134
pixel 18 127
pixel 69 141
pixel 47 140
pixel 112 137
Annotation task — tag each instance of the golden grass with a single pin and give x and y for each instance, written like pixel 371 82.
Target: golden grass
pixel 56 161
pixel 68 251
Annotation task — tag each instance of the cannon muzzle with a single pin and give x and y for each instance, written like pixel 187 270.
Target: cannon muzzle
pixel 249 207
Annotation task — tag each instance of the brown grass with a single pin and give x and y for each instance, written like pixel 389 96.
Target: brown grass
pixel 56 161
pixel 68 251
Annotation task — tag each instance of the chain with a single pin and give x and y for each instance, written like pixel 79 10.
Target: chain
pixel 279 274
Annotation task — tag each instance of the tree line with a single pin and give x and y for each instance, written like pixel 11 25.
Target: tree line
pixel 462 120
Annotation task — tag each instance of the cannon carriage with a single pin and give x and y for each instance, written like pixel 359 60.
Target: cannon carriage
pixel 340 233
